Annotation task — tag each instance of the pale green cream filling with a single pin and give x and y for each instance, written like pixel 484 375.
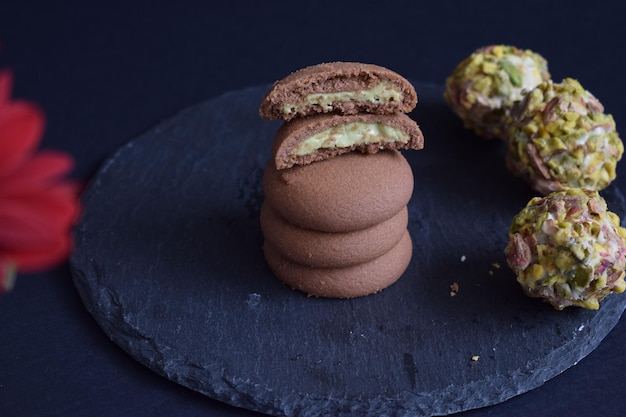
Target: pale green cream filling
pixel 382 92
pixel 344 136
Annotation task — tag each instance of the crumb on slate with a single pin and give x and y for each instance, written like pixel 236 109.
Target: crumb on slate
pixel 454 289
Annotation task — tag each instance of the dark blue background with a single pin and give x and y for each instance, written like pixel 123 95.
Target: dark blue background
pixel 106 73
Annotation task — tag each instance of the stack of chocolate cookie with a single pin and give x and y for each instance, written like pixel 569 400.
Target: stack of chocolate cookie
pixel 336 190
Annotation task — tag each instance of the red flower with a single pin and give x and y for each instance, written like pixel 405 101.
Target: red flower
pixel 38 205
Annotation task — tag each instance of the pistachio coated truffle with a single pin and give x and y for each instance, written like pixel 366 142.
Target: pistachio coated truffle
pixel 561 138
pixel 483 88
pixel 568 249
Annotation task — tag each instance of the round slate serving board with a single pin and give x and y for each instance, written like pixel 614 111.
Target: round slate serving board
pixel 168 260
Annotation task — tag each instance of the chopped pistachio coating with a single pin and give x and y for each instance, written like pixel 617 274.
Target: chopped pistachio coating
pixel 484 87
pixel 568 249
pixel 561 138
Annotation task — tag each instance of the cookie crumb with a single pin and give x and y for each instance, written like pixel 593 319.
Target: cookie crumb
pixel 475 358
pixel 454 289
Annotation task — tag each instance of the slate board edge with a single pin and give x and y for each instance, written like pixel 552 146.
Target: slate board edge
pixel 245 394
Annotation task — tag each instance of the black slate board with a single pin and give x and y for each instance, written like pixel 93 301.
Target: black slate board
pixel 168 260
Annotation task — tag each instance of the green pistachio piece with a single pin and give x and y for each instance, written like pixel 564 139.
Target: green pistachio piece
pixel 582 276
pixel 514 74
pixel 564 260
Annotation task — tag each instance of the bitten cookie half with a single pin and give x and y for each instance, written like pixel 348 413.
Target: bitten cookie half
pixel 350 192
pixel 349 282
pixel 328 250
pixel 338 87
pixel 319 137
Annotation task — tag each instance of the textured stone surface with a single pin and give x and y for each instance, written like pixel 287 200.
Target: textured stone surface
pixel 168 260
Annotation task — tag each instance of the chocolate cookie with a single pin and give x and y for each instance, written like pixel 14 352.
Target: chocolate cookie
pixel 325 250
pixel 350 192
pixel 338 87
pixel 322 136
pixel 348 282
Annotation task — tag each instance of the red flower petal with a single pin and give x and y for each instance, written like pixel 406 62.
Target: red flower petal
pixel 21 128
pixel 38 207
pixel 35 218
pixel 43 256
pixel 6 81
pixel 46 167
